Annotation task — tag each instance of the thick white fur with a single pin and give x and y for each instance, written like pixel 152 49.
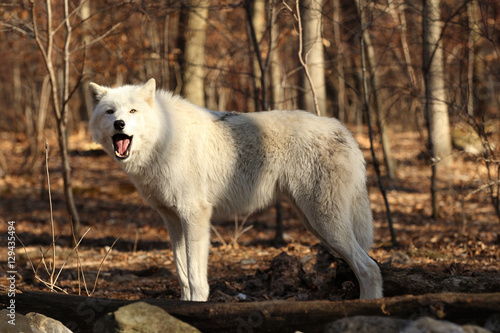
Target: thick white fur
pixel 191 163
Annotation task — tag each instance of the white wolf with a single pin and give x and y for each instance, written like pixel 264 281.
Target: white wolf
pixel 191 163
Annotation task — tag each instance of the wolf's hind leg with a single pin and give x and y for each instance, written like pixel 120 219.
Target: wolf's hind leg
pixel 343 242
pixel 365 268
pixel 336 232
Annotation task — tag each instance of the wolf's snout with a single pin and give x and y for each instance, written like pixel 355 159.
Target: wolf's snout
pixel 119 124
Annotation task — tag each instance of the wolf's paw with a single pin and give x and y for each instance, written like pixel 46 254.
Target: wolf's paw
pixel 185 294
pixel 199 294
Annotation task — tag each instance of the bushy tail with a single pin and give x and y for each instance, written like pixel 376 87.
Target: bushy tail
pixel 362 219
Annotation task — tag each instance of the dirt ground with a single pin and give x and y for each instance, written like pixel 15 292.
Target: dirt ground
pixel 244 266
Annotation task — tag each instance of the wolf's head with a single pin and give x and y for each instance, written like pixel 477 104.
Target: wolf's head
pixel 123 119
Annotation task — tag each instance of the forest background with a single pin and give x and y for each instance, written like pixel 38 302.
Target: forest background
pixel 416 81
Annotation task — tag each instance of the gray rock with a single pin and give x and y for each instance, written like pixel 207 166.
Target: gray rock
pixel 493 323
pixel 431 325
pixel 366 324
pixel 22 324
pixel 41 323
pixel 475 329
pixel 141 317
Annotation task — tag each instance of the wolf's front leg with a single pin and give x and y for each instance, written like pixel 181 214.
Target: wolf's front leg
pixel 197 235
pixel 177 239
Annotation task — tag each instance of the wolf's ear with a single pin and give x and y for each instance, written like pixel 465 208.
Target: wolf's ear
pixel 148 91
pixel 96 93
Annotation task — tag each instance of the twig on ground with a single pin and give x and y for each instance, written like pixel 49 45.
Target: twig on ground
pixel 51 217
pixel 239 230
pixel 219 236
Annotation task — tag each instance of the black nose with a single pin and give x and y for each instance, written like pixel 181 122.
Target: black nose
pixel 119 124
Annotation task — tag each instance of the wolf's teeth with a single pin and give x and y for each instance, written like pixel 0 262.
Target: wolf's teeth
pixel 117 154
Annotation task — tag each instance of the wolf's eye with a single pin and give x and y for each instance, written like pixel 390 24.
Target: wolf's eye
pixel 133 111
pixel 110 111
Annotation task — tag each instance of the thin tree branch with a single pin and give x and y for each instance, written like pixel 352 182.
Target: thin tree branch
pixel 98 39
pixel 47 55
pixel 52 282
pixel 366 105
pixel 69 15
pixel 66 64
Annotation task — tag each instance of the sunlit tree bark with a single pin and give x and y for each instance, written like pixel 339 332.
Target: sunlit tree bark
pixel 194 53
pixel 340 67
pixel 435 106
pixel 313 55
pixel 276 84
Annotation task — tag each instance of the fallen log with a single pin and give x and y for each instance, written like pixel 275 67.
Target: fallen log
pixel 79 313
pixel 416 281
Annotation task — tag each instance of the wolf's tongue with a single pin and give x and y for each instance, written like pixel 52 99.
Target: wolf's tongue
pixel 122 145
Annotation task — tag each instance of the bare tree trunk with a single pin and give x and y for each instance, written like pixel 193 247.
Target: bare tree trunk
pixel 30 155
pixel 377 96
pixel 436 110
pixel 16 80
pixel 60 105
pixel 340 64
pixel 43 105
pixel 473 36
pixel 261 73
pixel 194 53
pixel 258 24
pixel 164 68
pixel 277 104
pixel 477 103
pixel 276 82
pixel 62 126
pixel 397 8
pixel 366 106
pixel 313 56
pixel 86 107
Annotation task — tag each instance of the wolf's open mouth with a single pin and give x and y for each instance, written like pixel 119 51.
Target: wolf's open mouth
pixel 122 144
